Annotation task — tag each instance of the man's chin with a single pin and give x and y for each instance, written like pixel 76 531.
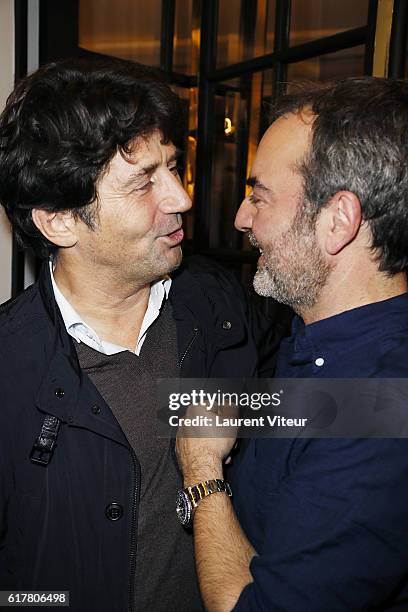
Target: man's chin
pixel 174 259
pixel 263 284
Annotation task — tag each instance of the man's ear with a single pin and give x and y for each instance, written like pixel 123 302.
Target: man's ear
pixel 58 227
pixel 343 216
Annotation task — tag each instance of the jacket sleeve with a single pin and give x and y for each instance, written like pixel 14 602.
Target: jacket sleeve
pixel 336 536
pixel 5 464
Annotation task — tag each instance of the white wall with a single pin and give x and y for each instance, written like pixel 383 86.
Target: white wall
pixel 6 85
pixel 33 33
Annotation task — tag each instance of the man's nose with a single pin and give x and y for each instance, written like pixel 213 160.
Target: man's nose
pixel 177 200
pixel 244 217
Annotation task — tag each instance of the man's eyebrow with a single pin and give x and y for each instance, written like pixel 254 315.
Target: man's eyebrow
pixel 178 153
pixel 147 170
pixel 253 182
pixel 140 174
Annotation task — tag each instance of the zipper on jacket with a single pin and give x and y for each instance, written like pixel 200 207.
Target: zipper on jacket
pixel 133 526
pixel 189 345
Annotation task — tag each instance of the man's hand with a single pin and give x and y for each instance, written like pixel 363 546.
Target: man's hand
pixel 200 457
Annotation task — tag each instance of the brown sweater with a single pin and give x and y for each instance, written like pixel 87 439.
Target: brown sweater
pixel 165 572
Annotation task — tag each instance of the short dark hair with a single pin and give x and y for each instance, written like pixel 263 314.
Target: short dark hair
pixel 61 127
pixel 359 144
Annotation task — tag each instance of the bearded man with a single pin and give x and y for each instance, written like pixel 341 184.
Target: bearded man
pixel 320 524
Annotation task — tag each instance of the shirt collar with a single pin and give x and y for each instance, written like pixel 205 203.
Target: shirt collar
pixel 69 314
pixel 335 335
pixel 82 332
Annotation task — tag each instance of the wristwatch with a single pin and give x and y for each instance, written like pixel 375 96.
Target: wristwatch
pixel 189 498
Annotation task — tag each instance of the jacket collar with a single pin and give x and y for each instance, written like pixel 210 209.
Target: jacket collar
pixel 61 339
pixel 199 306
pixel 59 388
pixel 47 293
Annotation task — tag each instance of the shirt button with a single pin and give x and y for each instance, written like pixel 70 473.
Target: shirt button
pixel 114 511
pixel 226 325
pixel 319 361
pixel 59 392
pixel 96 409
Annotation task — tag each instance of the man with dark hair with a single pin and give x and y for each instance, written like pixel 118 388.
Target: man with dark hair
pixel 89 181
pixel 320 524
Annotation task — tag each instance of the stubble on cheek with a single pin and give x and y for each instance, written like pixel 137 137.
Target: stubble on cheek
pixel 293 270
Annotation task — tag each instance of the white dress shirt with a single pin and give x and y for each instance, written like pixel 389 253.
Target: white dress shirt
pixel 81 332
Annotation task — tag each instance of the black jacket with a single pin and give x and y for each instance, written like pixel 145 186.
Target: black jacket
pixel 56 527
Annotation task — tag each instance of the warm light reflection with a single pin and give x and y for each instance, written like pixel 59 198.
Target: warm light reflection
pixel 229 129
pixel 189 176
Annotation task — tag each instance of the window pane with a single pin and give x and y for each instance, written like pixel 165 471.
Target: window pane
pixel 124 28
pixel 342 64
pixel 240 106
pixel 186 37
pixel 245 30
pixel 311 20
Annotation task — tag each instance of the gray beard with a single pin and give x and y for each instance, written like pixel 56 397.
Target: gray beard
pixel 294 271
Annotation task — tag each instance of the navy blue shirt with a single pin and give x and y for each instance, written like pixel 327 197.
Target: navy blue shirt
pixel 329 517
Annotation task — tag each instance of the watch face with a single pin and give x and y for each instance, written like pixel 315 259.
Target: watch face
pixel 183 508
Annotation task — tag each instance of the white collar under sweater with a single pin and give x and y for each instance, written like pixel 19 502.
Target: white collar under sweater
pixel 81 332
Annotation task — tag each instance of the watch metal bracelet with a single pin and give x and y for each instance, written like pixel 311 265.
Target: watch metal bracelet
pixel 203 489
